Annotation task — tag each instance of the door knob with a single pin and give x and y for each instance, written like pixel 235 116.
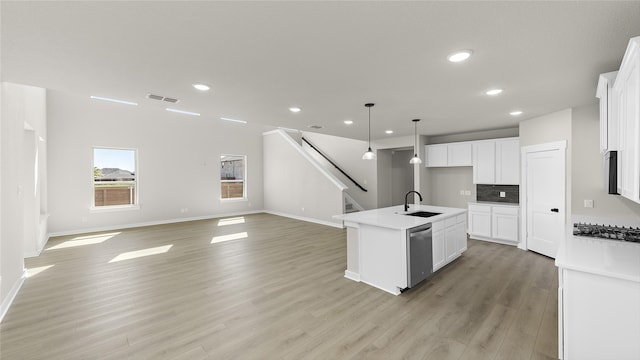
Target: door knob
pixel 555 210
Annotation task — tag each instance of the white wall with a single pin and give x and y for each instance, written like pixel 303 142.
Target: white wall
pixel 347 153
pixel 16 102
pixel 401 176
pixel 588 175
pixel 178 162
pixel 445 185
pixel 550 128
pixel 296 185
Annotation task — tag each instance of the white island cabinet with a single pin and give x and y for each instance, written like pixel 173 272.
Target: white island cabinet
pixel 598 299
pixel 377 249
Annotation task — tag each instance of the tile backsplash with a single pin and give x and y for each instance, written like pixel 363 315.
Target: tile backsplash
pixel 492 193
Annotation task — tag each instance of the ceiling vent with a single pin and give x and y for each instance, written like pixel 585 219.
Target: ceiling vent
pixel 162 98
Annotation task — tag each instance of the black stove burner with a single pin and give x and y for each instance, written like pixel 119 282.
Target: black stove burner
pixel 607 232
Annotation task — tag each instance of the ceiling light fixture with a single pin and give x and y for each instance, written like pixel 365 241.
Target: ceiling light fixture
pixel 114 100
pixel 348 122
pixel 233 120
pixel 493 92
pixel 295 109
pixel 201 87
pixel 415 159
pixel 369 155
pixel 515 113
pixel 183 112
pixel 459 56
pixel 389 132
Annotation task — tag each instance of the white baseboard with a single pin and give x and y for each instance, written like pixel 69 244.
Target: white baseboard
pixel 30 254
pixel 351 275
pixel 151 223
pixel 503 242
pixel 8 300
pixel 302 218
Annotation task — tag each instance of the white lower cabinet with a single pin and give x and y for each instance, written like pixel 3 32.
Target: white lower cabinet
pixel 437 239
pixel 493 222
pixel 449 240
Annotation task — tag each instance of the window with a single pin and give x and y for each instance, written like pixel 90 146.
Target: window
pixel 114 177
pixel 233 176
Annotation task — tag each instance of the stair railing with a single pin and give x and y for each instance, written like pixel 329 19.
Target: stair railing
pixel 334 164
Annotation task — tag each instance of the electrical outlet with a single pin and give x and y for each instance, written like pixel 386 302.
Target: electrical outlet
pixel 467 192
pixel 588 203
pixel 503 194
pixel 461 192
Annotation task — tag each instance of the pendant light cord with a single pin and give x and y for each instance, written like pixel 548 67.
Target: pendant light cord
pixel 369 127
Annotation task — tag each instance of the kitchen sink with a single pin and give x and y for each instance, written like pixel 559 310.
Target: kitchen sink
pixel 424 214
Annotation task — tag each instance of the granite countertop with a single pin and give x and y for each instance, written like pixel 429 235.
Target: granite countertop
pixel 393 217
pixel 611 258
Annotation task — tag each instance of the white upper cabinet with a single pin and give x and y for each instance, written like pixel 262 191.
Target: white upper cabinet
pixel 508 161
pixel 626 92
pixel 447 155
pixel 459 154
pixel 437 155
pixel 484 162
pixel 608 121
pixel 496 161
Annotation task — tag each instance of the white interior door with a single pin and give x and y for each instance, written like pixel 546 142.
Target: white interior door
pixel 545 200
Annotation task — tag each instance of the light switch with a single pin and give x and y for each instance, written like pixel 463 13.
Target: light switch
pixel 588 203
pixel 503 194
pixel 467 192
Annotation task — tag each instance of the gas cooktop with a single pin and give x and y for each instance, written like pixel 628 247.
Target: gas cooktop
pixel 607 232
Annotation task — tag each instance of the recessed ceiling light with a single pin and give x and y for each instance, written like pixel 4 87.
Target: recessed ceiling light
pixel 459 56
pixel 183 112
pixel 389 132
pixel 493 92
pixel 201 87
pixel 348 122
pixel 515 113
pixel 233 120
pixel 114 100
pixel 295 109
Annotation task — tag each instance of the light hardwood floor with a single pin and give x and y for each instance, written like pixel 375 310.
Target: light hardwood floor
pixel 278 293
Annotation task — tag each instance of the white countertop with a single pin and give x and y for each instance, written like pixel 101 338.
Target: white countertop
pixel 494 203
pixel 393 218
pixel 616 259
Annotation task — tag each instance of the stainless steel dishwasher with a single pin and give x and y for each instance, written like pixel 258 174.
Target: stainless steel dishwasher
pixel 419 254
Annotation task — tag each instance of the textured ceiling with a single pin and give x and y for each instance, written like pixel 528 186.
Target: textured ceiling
pixel 329 58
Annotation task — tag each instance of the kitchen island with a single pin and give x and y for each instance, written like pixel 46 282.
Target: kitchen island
pixel 377 243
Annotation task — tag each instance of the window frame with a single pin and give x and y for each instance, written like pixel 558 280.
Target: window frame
pixel 109 208
pixel 244 179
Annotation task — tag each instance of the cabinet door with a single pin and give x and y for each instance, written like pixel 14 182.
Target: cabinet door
pixel 452 241
pixel 480 223
pixel 484 162
pixel 508 162
pixel 460 154
pixel 629 116
pixel 462 233
pixel 438 249
pixel 436 155
pixel 505 223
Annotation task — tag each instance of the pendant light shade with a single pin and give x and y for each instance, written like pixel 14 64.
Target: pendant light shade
pixel 415 159
pixel 369 155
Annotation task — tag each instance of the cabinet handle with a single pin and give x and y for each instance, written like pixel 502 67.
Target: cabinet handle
pixel 555 210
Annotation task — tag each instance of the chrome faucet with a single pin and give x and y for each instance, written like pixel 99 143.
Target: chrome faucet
pixel 406 204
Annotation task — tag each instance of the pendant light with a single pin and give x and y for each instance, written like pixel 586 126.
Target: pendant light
pixel 369 155
pixel 415 159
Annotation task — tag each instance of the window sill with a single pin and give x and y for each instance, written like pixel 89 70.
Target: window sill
pixel 113 208
pixel 234 199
